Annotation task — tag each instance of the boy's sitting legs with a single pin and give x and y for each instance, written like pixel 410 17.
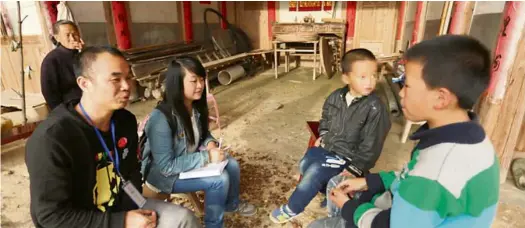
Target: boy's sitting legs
pixel 316 174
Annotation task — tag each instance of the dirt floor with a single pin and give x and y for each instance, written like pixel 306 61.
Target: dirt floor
pixel 265 125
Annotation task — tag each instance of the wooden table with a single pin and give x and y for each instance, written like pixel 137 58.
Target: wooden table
pixel 287 52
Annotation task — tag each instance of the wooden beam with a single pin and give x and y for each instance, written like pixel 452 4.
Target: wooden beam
pixel 520 145
pixel 110 29
pixel 461 17
pixel 503 108
pixel 419 24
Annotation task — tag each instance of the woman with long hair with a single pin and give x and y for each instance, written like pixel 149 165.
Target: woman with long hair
pixel 58 80
pixel 168 152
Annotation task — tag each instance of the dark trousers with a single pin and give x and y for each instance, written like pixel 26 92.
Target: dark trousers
pixel 314 180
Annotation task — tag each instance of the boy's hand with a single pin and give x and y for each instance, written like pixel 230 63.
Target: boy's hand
pixel 338 197
pixel 353 185
pixel 318 142
pixel 345 173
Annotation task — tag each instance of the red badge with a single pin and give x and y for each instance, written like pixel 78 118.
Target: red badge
pixel 122 142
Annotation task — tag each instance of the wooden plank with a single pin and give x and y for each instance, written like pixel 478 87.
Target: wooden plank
pixel 520 145
pixel 510 113
pixel 220 61
pixel 110 29
pixel 327 58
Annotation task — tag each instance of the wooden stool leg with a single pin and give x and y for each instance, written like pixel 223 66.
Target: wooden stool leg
pixel 287 62
pixel 315 60
pixel 194 200
pixel 275 60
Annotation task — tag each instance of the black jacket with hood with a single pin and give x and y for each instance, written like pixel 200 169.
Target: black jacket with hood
pixel 71 184
pixel 356 132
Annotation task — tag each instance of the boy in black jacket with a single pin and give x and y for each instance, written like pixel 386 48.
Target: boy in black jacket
pixel 352 129
pixel 82 160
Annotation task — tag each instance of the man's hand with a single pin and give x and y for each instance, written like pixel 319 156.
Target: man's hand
pixel 140 219
pixel 79 44
pixel 338 197
pixel 318 142
pixel 353 185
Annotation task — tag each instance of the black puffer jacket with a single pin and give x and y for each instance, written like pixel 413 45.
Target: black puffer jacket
pixel 356 132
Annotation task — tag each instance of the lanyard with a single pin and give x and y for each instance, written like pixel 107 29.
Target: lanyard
pixel 101 139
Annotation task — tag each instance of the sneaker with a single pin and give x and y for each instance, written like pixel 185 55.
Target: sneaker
pixel 282 214
pixel 244 209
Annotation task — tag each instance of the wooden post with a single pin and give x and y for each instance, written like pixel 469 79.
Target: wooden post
pixel 401 21
pixel 271 18
pixel 120 23
pixel 461 17
pixel 224 13
pixel 351 7
pixel 110 29
pixel 188 23
pixel 503 108
pixel 419 24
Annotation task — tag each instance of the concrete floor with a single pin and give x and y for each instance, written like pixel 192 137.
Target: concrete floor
pixel 265 125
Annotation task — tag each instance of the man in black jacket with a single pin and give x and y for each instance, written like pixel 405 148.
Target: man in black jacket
pixel 352 129
pixel 82 160
pixel 57 77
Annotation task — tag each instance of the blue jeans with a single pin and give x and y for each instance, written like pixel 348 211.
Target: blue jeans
pixel 314 180
pixel 221 192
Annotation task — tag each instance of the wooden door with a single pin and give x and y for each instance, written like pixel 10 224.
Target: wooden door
pixel 34 52
pixel 252 18
pixel 376 26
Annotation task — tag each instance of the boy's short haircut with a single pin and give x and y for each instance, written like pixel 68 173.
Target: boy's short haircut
pixel 458 63
pixel 354 55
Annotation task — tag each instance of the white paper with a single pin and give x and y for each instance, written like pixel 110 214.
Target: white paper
pixel 210 170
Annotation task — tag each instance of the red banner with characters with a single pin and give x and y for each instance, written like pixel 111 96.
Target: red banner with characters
pixel 310 5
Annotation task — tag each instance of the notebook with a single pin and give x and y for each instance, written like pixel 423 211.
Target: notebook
pixel 210 170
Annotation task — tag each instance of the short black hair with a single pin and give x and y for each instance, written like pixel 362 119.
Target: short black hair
pixel 56 29
pixel 56 26
pixel 354 55
pixel 85 59
pixel 458 63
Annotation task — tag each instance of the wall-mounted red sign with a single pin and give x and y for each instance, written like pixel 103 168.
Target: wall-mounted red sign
pixel 310 5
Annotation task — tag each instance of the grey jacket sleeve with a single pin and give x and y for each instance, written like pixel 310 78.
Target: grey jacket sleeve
pixel 373 136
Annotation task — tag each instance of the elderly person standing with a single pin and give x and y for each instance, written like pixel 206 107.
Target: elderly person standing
pixel 58 80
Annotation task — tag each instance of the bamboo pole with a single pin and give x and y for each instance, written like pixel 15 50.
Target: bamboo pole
pixel 22 74
pixel 445 18
pixel 503 108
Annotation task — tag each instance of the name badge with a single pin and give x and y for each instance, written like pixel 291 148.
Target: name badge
pixel 134 194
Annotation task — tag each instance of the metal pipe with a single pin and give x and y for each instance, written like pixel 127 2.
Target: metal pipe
pixel 22 78
pixel 230 74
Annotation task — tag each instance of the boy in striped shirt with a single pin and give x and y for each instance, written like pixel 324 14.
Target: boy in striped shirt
pixel 452 179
